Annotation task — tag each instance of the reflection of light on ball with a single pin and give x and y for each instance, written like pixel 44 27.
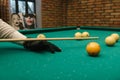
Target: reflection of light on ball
pixel 85 34
pixel 110 41
pixel 77 35
pixel 93 48
pixel 41 36
pixel 116 36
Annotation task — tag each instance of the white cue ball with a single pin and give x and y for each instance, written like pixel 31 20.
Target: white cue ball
pixel 116 36
pixel 77 35
pixel 41 36
pixel 85 34
pixel 110 41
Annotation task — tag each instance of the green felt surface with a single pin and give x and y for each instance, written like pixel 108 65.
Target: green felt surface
pixel 73 63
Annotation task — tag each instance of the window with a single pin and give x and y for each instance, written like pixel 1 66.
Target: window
pixel 22 6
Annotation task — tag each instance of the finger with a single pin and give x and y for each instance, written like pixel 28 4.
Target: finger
pixel 51 49
pixel 56 48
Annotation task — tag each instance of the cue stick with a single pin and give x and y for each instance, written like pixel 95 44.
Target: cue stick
pixel 37 39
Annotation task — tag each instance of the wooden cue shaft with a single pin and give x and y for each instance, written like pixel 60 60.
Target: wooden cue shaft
pixel 37 39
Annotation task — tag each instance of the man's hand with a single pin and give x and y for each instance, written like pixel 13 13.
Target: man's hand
pixel 41 46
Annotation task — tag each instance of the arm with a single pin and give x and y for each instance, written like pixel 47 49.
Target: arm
pixel 7 31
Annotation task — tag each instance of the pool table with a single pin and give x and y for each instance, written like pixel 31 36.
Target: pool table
pixel 73 63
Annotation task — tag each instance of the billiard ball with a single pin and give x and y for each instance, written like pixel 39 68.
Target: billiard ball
pixel 85 34
pixel 78 27
pixel 116 36
pixel 110 41
pixel 41 36
pixel 93 48
pixel 77 35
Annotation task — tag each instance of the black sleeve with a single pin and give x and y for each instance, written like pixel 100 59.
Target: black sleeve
pixel 40 46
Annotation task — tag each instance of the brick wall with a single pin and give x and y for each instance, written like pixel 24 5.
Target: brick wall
pixel 4 10
pixel 53 13
pixel 57 13
pixel 80 13
pixel 94 13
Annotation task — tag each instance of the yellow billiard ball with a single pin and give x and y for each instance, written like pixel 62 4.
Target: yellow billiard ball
pixel 116 36
pixel 85 34
pixel 110 41
pixel 41 36
pixel 93 49
pixel 77 35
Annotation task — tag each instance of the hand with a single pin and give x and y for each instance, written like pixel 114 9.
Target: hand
pixel 41 46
